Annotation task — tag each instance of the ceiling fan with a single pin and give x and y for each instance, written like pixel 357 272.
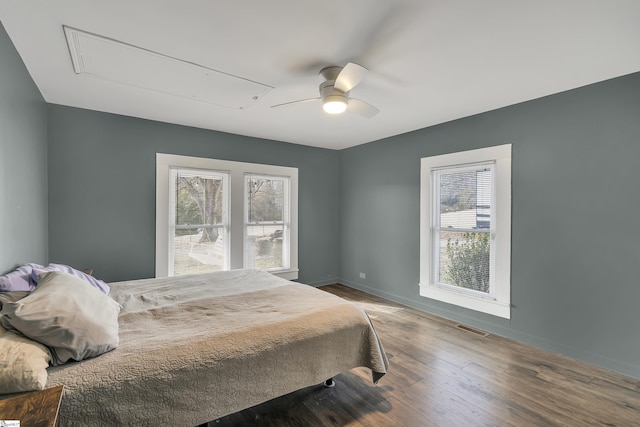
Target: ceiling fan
pixel 334 91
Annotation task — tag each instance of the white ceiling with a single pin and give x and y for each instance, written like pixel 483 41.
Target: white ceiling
pixel 429 61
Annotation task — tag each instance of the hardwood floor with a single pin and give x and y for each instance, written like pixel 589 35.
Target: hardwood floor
pixel 440 375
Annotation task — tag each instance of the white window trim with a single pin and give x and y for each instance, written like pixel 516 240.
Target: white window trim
pixel 237 171
pixel 500 305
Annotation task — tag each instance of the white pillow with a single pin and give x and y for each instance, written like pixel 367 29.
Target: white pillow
pixel 23 363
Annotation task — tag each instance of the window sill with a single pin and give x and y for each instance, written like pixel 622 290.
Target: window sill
pixel 285 274
pixel 485 305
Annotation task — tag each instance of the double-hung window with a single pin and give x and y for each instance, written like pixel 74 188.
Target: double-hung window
pixel 465 229
pixel 198 221
pixel 215 215
pixel 267 222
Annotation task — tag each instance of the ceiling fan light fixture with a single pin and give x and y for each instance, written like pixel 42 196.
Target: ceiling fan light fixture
pixel 334 104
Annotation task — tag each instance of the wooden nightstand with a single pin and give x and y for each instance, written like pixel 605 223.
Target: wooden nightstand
pixel 33 409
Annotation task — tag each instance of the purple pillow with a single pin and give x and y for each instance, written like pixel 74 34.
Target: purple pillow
pixel 19 279
pixel 98 284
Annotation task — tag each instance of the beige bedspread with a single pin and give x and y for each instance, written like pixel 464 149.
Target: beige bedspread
pixel 195 348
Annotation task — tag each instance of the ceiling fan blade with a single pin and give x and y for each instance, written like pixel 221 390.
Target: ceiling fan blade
pixel 300 101
pixel 349 77
pixel 362 108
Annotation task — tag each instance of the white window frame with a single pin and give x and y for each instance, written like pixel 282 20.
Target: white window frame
pixel 237 172
pixel 286 220
pixel 499 302
pixel 225 226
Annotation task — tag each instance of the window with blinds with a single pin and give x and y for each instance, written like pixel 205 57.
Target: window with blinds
pixel 465 229
pixel 462 232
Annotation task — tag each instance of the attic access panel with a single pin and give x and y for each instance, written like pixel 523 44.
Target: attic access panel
pixel 123 63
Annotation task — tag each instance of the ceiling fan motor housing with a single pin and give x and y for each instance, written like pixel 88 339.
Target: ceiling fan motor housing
pixel 330 73
pixel 329 93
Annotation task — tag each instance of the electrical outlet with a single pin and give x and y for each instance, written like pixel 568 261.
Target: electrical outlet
pixel 363 276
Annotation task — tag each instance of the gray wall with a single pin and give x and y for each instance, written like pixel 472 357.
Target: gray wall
pixel 575 208
pixel 102 190
pixel 23 163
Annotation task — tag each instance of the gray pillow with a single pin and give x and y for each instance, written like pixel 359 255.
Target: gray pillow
pixel 12 296
pixel 73 319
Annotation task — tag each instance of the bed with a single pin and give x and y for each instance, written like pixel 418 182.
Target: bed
pixel 196 348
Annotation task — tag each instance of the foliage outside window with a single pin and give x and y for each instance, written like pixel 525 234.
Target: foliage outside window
pixel 469 262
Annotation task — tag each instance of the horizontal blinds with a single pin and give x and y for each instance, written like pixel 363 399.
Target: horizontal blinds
pixel 464 197
pixel 463 215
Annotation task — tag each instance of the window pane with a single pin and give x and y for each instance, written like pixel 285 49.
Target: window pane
pixel 265 199
pixel 267 222
pixel 464 259
pixel 265 247
pixel 465 198
pixel 194 252
pixel 199 243
pixel 198 199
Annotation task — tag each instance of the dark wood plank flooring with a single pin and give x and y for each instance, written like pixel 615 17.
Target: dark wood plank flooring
pixel 440 375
